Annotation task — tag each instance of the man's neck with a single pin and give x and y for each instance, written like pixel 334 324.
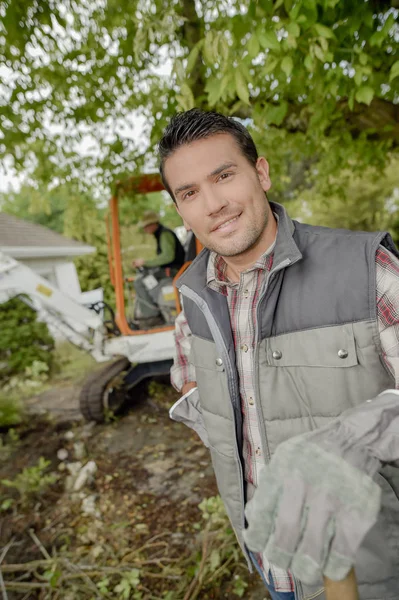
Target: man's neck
pixel 240 263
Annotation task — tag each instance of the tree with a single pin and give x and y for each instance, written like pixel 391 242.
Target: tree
pixel 23 341
pixel 311 77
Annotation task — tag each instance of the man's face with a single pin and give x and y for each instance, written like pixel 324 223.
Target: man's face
pixel 219 194
pixel 151 228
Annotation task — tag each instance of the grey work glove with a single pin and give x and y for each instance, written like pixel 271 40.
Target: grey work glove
pixel 317 500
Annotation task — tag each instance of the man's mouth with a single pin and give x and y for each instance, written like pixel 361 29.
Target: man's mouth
pixel 226 224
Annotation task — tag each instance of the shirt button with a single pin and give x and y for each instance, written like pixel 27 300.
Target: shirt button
pixel 251 401
pixel 277 354
pixel 246 293
pixel 258 452
pixel 244 348
pixel 219 362
pixel 343 353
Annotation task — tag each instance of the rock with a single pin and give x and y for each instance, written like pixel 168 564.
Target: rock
pixel 85 475
pixel 89 506
pixel 79 450
pixel 62 454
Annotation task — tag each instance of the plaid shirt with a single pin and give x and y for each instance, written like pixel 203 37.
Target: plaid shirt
pixel 242 298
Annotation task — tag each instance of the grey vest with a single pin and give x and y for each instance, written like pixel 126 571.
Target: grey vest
pixel 317 354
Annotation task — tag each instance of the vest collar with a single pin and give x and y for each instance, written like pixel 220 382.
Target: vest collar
pixel 285 249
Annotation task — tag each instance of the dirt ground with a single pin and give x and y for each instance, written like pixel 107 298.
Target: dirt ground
pixel 150 476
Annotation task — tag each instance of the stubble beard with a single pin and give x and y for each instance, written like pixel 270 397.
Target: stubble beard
pixel 249 239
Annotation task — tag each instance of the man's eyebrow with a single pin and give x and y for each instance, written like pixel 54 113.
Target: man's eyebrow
pixel 187 186
pixel 222 168
pixel 181 188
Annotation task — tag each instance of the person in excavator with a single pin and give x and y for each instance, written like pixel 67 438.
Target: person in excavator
pixel 169 258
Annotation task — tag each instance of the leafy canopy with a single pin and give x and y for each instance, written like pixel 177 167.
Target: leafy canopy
pixel 313 76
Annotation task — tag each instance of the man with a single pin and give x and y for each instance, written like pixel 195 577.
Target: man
pixel 287 329
pixel 168 260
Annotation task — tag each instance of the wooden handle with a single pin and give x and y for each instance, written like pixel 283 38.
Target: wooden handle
pixel 342 590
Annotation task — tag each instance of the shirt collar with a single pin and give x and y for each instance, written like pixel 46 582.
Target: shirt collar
pixel 216 277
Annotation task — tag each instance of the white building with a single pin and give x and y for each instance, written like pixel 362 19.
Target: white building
pixel 47 253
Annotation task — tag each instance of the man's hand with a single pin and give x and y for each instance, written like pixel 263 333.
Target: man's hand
pixel 311 511
pixel 317 500
pixel 188 386
pixel 138 262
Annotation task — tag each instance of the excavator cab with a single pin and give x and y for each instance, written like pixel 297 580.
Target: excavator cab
pixel 140 353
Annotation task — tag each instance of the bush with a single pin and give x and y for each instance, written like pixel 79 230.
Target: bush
pixel 23 340
pixel 11 411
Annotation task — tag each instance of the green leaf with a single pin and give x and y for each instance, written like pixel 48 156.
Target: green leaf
pixel 394 72
pixel 275 113
pixel 241 87
pixel 364 94
pixel 253 46
pixel 309 63
pixel 215 560
pixel 358 78
pixel 293 29
pixel 319 52
pixel 192 58
pixel 376 39
pixel 323 31
pixel 271 64
pixel 268 40
pixel 287 65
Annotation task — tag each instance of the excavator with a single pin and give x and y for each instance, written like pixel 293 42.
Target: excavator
pixel 131 354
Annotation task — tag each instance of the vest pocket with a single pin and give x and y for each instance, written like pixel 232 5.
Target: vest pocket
pixel 187 410
pixel 332 347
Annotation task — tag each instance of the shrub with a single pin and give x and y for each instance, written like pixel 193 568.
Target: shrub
pixel 24 340
pixel 11 412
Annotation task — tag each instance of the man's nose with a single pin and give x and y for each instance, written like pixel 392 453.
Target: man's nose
pixel 214 202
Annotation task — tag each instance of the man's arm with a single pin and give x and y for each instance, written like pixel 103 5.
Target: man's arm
pixel 182 373
pixel 317 499
pixel 387 271
pixel 168 250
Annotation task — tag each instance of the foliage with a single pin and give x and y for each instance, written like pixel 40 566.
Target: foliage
pixel 70 363
pixel 37 205
pixel 23 340
pixel 215 561
pixel 32 481
pixel 82 75
pixel 358 199
pixel 11 411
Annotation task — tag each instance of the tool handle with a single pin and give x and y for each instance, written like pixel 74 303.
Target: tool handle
pixel 342 590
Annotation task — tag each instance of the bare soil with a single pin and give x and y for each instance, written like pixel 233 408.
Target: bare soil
pixel 151 476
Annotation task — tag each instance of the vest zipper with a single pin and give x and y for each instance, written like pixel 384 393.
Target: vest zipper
pixel 204 308
pixel 297 584
pixel 279 267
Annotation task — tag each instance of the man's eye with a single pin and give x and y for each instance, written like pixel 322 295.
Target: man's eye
pixel 225 176
pixel 188 194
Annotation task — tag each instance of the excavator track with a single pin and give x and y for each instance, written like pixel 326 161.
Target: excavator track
pixel 92 395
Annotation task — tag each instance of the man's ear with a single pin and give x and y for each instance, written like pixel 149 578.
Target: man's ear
pixel 262 168
pixel 186 225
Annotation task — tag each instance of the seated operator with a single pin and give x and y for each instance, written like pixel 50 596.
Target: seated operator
pixel 168 260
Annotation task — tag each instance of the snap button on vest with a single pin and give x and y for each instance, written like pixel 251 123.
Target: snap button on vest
pixel 277 354
pixel 342 353
pixel 219 362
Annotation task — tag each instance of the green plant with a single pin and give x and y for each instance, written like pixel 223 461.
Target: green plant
pixel 11 410
pixel 128 584
pixel 23 341
pixel 32 481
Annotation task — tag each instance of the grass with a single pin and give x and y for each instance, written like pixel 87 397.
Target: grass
pixel 71 363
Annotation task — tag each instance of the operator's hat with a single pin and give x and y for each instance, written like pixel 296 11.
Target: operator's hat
pixel 149 217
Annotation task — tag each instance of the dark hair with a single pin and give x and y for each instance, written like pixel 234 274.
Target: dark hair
pixel 196 124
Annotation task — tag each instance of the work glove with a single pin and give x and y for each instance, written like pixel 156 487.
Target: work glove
pixel 316 499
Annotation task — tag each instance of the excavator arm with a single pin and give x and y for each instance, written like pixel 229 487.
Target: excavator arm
pixel 61 310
